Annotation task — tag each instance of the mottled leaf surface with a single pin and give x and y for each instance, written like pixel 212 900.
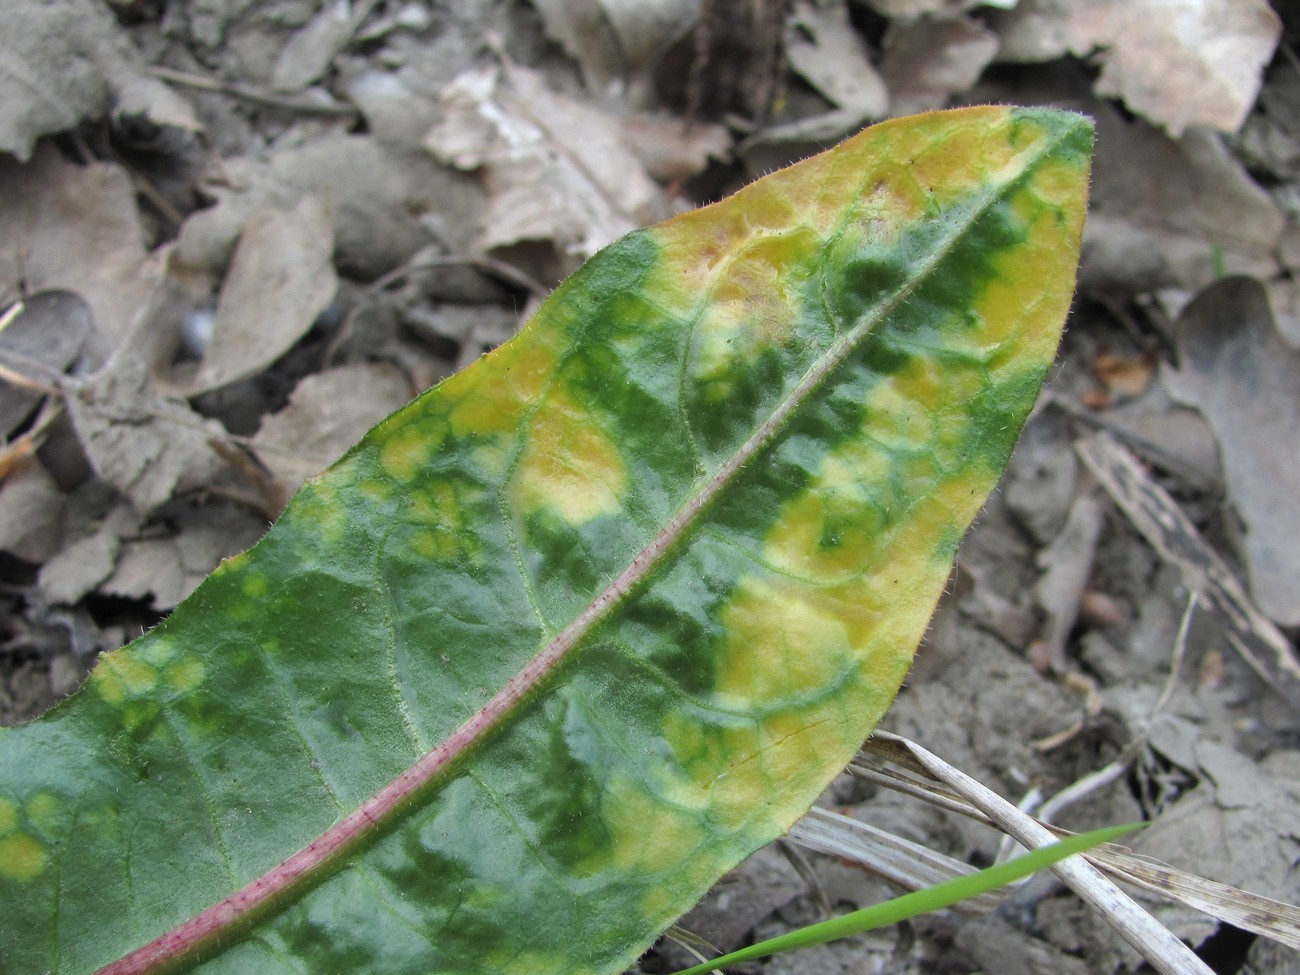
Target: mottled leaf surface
pixel 571 634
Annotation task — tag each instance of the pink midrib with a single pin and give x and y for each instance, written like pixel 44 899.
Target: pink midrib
pixel 351 832
pixel 348 834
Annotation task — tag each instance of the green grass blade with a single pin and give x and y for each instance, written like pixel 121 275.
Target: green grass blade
pixel 919 902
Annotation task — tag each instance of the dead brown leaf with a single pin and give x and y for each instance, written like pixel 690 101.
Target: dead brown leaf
pixel 86 561
pixel 43 339
pixel 1179 63
pixel 1187 210
pixel 327 413
pixel 825 50
pixel 555 169
pixel 310 50
pixel 671 149
pixel 76 228
pixel 614 40
pixel 145 446
pixel 64 61
pixel 904 9
pixel 1032 31
pixel 280 279
pixel 1241 376
pixel 1123 376
pixel 164 570
pixel 382 196
pixel 31 512
pixel 930 59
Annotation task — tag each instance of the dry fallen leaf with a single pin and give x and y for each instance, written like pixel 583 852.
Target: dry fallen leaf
pixel 930 59
pixel 556 169
pixel 327 413
pixel 824 49
pixel 382 196
pixel 307 55
pixel 76 228
pixel 280 279
pixel 43 339
pixel 1123 376
pixel 31 512
pixel 65 61
pixel 164 570
pixel 1241 376
pixel 1032 31
pixel 145 446
pixel 613 40
pixel 1179 62
pixel 1189 208
pixel 1284 297
pixel 87 561
pixel 915 8
pixel 672 149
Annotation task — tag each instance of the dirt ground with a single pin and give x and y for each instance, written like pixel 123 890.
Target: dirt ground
pixel 246 231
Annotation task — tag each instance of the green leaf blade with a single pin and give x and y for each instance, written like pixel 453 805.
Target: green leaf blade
pixel 716 484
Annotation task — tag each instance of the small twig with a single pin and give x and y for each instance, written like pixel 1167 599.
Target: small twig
pixel 271 497
pixel 258 96
pixel 1180 654
pixel 794 856
pixel 484 263
pixel 22 381
pixel 18 368
pixel 10 313
pixel 1147 448
pixel 1107 774
pixel 21 447
pixel 692 943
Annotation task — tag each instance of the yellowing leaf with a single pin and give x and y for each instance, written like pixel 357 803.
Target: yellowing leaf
pixel 557 644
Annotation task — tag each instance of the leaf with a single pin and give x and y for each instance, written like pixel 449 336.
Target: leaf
pixel 825 50
pixel 77 228
pixel 1241 375
pixel 561 641
pixel 932 58
pixel 279 281
pixel 1179 63
pixel 555 168
pixel 1192 206
pixel 65 62
pixel 146 446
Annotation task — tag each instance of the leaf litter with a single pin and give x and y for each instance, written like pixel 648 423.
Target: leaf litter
pixel 529 136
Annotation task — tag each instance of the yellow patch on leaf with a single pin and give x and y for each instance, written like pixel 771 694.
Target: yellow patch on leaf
pixel 569 465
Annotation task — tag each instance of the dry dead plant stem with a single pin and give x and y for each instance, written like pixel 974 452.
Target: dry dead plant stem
pixel 1250 912
pixel 303 106
pixel 1153 940
pixel 1171 533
